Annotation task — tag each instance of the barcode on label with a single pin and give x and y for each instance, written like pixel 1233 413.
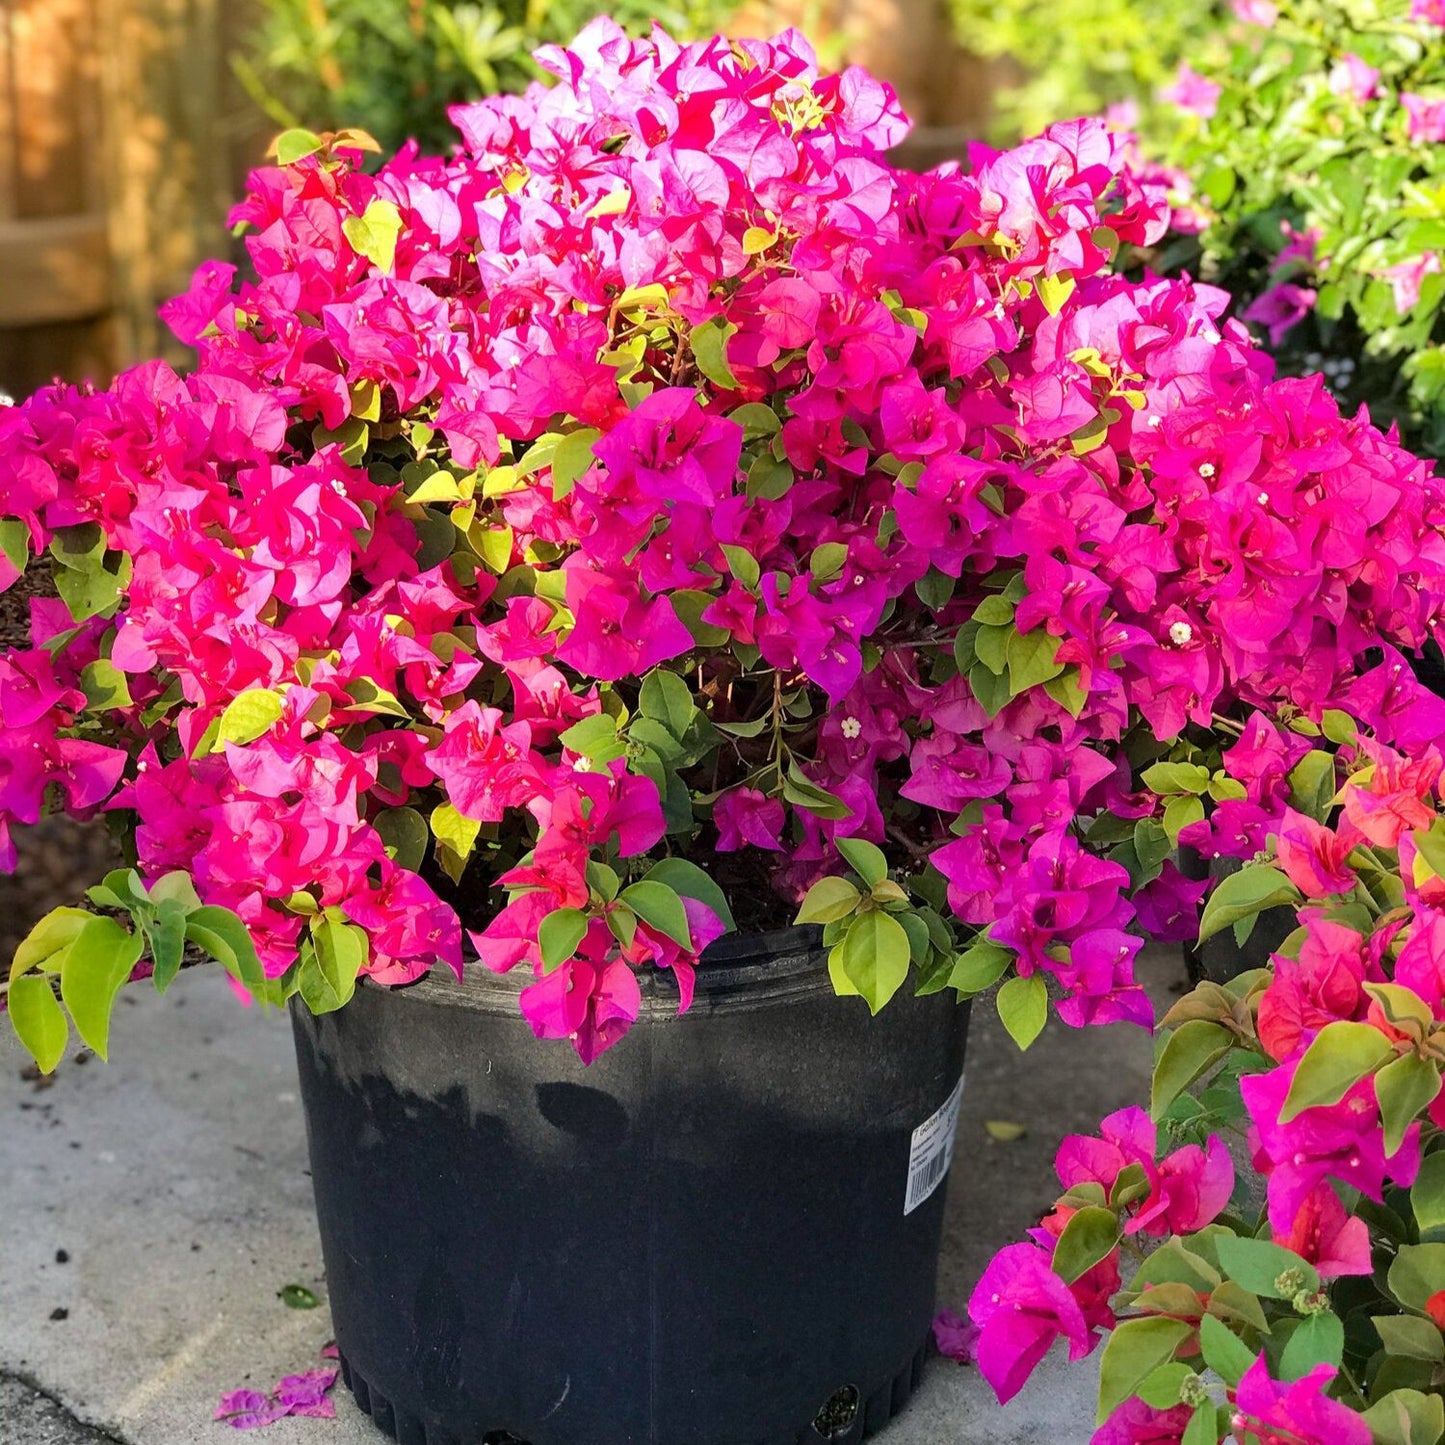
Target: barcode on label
pixel 931 1151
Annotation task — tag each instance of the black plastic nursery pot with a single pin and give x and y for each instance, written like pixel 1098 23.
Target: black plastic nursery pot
pixel 725 1231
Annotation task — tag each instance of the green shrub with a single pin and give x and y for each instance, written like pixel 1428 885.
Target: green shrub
pixel 393 66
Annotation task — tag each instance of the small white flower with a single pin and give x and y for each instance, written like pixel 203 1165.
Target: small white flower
pixel 1263 499
pixel 1180 633
pixel 1156 421
pixel 851 727
pixel 1206 470
pixel 582 765
pixel 6 399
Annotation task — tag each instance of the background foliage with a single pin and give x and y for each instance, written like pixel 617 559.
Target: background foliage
pixel 393 66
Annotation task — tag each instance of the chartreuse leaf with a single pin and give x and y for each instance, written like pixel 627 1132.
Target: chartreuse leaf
pixel 1135 1350
pixel 1160 1391
pixel 667 699
pixel 1023 1008
pixel 690 881
pixel 327 978
pixel 1404 1088
pixel 595 738
pixel 1341 1054
pixel 1427 1194
pixel 1406 1417
pixel 1312 784
pixel 874 956
pixel 38 1020
pixel 660 908
pixel 104 686
pixel 220 933
pixel 1090 1236
pixel 295 145
pixel 177 887
pixel 865 859
pixel 1417 1274
pixel 558 935
pixel 571 459
pixel 374 233
pixel 1224 1352
pixel 1319 1339
pixel 828 900
pixel 50 937
pixel 95 966
pixel 1243 894
pixel 456 837
pixel 248 716
pixel 1191 1050
pixel 15 542
pixel 1031 659
pixel 709 350
pixel 1259 1264
pixel 1203 1427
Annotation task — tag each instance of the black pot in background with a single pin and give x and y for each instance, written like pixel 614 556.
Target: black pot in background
pixel 1220 958
pixel 699 1240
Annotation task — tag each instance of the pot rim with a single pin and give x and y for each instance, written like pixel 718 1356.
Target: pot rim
pixel 736 971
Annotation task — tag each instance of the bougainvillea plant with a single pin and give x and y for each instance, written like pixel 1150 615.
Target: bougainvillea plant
pixel 1305 1300
pixel 1313 158
pixel 661 504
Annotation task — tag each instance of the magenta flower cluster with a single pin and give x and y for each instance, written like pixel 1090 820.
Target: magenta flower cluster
pixel 665 485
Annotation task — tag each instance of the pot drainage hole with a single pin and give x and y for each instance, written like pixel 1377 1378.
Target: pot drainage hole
pixel 839 1411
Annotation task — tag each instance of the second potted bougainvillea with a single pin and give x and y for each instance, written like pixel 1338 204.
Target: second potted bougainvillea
pixel 663 515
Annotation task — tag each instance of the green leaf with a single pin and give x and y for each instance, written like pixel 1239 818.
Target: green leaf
pixel 226 938
pixel 994 611
pixel 990 646
pixel 1170 778
pixel 1023 1007
pixel 1411 1336
pixel 176 886
pixel 828 900
pixel 757 419
pixel 38 1020
pixel 874 956
pixel 827 560
pixel 329 968
pixel 1418 1273
pixel 979 966
pixel 1190 1051
pixel 1224 1352
pixel 1341 1054
pixel 89 592
pixel 802 792
pixel 1160 1391
pixel 456 837
pixel 709 350
pixel 659 907
pixel 1258 1263
pixel 991 690
pixel 1404 1089
pixel 1091 1235
pixel 1243 894
pixel 595 738
pixel 688 880
pixel 51 936
pixel 1067 690
pixel 1427 1194
pixel 1031 659
pixel 1179 813
pixel 405 836
pixel 1054 291
pixel 295 145
pixel 166 936
pixel 571 459
pixel 1406 1417
pixel 558 935
pixel 935 589
pixel 866 860
pixel 667 699
pixel 297 1297
pixel 1203 1427
pixel 96 965
pixel 1312 785
pixel 374 233
pixel 1134 1351
pixel 248 716
pixel 15 542
pixel 1339 727
pixel 104 686
pixel 742 564
pixel 1319 1339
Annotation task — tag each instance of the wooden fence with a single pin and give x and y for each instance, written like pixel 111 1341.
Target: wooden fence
pixel 122 140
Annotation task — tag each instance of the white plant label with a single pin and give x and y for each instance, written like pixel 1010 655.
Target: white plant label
pixel 932 1150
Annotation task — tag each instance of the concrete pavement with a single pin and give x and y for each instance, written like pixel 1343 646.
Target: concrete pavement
pixel 152 1208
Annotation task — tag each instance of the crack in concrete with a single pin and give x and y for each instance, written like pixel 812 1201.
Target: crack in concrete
pixel 84 1433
